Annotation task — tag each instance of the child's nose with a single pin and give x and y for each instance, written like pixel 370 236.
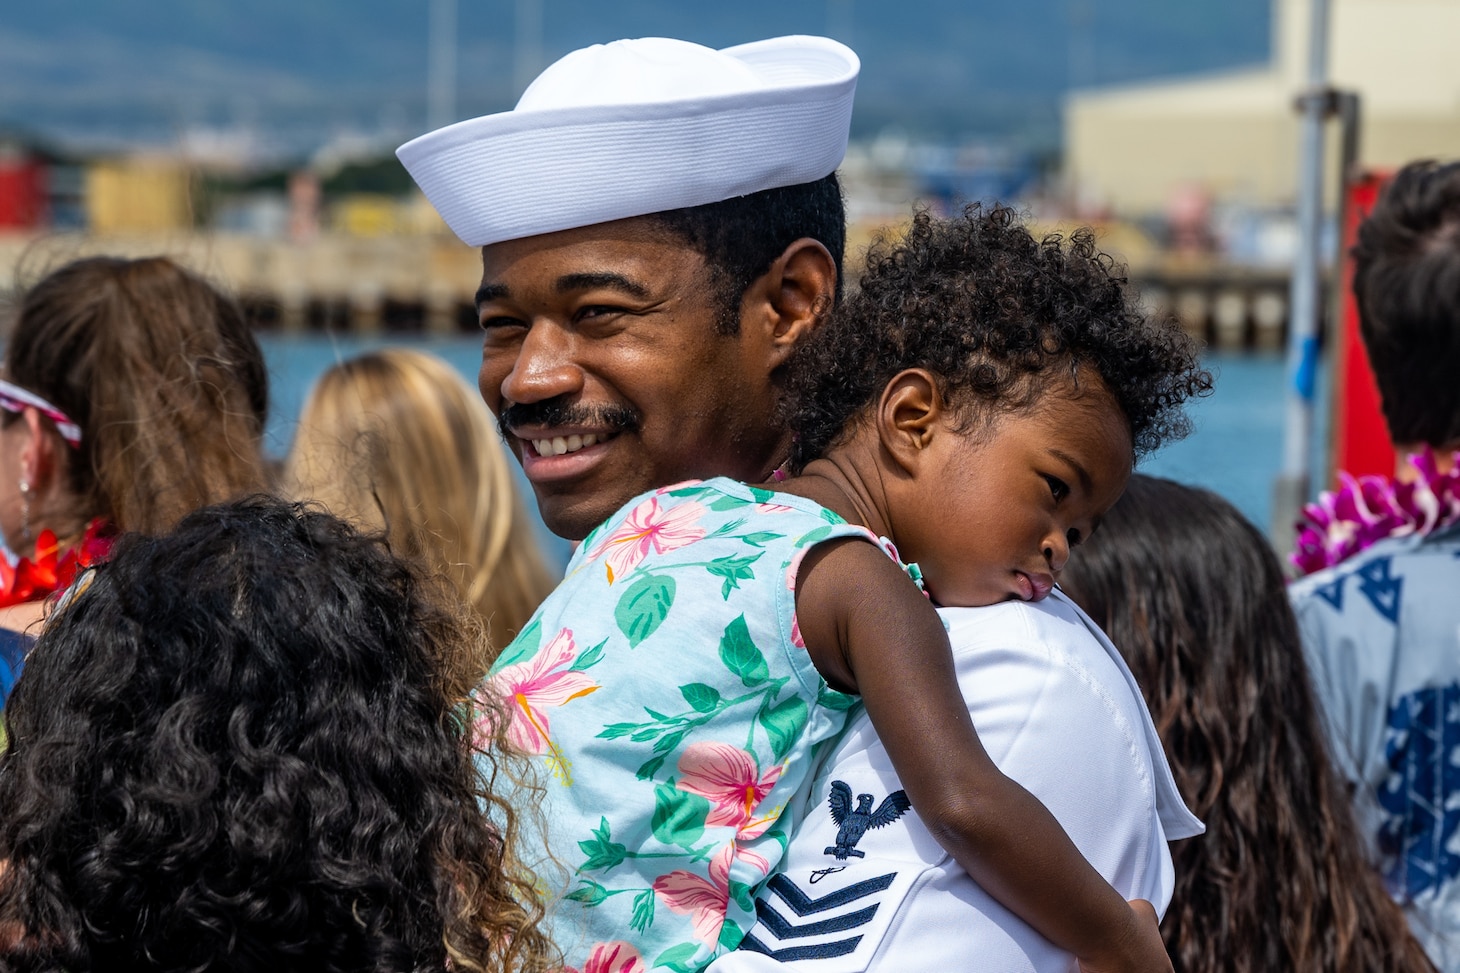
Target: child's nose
pixel 1057 552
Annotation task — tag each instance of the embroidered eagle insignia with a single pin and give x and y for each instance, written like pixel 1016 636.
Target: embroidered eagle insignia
pixel 853 823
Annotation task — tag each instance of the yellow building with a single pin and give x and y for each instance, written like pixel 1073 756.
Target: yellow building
pixel 127 195
pixel 1235 134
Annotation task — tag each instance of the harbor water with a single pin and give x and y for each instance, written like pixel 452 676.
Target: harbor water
pixel 1234 450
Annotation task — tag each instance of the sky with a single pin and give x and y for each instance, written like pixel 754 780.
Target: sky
pixel 291 75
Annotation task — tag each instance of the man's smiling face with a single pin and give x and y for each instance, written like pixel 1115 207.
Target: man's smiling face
pixel 603 363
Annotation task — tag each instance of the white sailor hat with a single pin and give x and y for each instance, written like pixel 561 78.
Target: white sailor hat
pixel 637 127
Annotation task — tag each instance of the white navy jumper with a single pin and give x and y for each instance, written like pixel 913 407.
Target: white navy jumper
pixel 866 887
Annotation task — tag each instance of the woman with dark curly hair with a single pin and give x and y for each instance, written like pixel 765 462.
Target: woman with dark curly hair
pixel 235 748
pixel 1194 597
pixel 991 393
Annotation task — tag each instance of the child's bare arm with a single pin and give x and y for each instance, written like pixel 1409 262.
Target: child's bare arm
pixel 871 632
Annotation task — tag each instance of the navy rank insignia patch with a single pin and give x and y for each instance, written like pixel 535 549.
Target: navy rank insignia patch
pixel 852 822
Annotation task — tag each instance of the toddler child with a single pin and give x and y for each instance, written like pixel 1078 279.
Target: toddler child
pixel 711 634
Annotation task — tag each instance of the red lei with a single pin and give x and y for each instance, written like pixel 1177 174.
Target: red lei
pixel 51 571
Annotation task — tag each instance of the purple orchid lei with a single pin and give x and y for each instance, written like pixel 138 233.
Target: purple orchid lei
pixel 1368 509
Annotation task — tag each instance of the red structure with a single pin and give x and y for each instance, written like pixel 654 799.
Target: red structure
pixel 22 188
pixel 1360 436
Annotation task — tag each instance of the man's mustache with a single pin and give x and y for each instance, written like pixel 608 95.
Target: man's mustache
pixel 555 412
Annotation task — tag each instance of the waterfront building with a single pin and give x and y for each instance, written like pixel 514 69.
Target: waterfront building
pixel 1234 135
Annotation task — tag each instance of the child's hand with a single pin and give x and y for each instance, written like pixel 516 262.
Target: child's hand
pixel 1141 949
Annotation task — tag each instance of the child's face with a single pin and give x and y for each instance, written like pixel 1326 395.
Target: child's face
pixel 1000 507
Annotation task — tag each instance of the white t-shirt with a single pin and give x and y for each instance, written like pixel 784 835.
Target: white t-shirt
pixel 1058 711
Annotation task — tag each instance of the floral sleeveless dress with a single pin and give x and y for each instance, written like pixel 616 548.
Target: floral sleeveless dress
pixel 665 685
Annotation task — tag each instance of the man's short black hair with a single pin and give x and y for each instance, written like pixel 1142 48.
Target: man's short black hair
pixel 741 237
pixel 1407 282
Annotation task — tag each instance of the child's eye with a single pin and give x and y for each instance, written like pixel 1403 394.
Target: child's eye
pixel 1057 487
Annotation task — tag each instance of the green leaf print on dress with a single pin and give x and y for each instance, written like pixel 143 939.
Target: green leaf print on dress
pixel 703 698
pixel 740 655
pixel 783 723
pixel 679 816
pixel 602 851
pixel 644 606
pixel 678 958
pixel 734 570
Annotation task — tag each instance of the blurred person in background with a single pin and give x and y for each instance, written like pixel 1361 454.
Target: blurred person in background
pixel 396 441
pixel 133 392
pixel 1194 597
pixel 236 748
pixel 1380 615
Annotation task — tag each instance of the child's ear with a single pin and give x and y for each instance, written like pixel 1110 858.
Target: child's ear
pixel 909 414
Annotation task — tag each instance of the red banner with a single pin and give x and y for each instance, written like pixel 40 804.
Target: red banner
pixel 1360 436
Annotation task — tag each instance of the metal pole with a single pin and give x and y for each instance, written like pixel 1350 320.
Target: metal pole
pixel 1347 107
pixel 1304 303
pixel 441 66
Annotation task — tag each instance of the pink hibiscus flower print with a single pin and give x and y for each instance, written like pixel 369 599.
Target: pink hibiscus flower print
pixel 533 687
pixel 649 527
pixel 614 957
pixel 730 779
pixel 705 900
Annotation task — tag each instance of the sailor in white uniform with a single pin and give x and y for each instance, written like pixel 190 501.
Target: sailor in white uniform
pixel 866 887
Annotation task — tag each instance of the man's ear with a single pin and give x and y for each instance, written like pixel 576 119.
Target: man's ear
pixel 909 414
pixel 791 298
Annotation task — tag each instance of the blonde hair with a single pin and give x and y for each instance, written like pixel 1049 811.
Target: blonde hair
pixel 396 441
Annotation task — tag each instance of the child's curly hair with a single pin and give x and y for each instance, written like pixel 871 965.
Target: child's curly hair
pixel 995 315
pixel 238 748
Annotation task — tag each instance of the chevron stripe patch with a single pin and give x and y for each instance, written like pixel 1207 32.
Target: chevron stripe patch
pixel 783 937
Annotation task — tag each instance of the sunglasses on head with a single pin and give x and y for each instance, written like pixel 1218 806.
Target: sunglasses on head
pixel 16 400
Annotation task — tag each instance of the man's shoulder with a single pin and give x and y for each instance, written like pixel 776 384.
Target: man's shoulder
pixel 1052 631
pixel 1052 696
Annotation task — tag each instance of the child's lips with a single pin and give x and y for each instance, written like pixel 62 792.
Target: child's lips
pixel 1033 587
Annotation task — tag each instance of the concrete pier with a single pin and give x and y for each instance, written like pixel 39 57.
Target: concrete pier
pixel 425 284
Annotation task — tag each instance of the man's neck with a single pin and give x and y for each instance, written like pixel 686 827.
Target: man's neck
pixel 777 463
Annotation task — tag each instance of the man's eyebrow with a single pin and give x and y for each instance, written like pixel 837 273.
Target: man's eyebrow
pixel 490 292
pixel 605 279
pixel 1080 471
